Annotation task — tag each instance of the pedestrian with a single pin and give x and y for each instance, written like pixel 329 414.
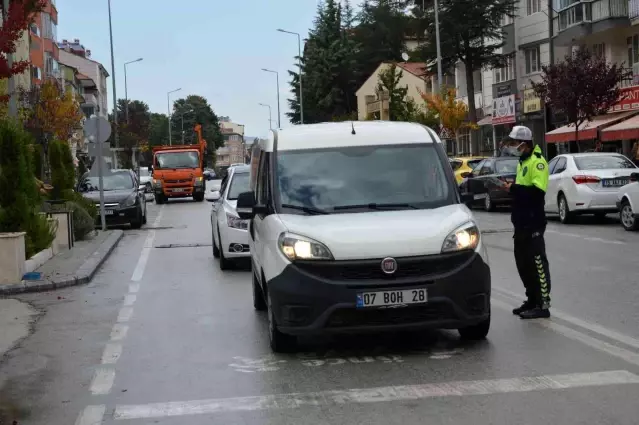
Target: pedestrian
pixel 529 220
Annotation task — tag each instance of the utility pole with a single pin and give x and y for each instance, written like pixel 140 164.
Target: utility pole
pixel 277 76
pixel 115 97
pixel 299 62
pixel 11 87
pixel 126 92
pixel 168 110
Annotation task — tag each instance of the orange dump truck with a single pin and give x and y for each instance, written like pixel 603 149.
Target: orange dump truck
pixel 178 170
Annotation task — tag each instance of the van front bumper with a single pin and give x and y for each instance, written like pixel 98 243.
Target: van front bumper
pixel 320 298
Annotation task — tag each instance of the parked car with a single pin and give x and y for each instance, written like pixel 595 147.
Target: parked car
pixel 488 181
pixel 124 197
pixel 209 174
pixel 628 203
pixel 360 228
pixel 146 179
pixel 228 230
pixel 586 183
pixel 464 166
pixel 211 188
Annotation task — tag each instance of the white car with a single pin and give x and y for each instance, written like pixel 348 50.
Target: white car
pixel 146 179
pixel 228 231
pixel 586 183
pixel 628 203
pixel 359 227
pixel 211 187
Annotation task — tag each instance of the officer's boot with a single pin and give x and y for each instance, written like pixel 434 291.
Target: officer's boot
pixel 535 313
pixel 527 305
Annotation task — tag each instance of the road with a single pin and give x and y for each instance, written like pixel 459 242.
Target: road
pixel 162 336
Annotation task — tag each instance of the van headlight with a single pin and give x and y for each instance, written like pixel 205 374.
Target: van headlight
pixel 199 181
pixel 462 238
pixel 296 247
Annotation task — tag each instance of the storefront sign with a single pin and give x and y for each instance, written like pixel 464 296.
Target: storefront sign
pixel 504 110
pixel 532 103
pixel 629 100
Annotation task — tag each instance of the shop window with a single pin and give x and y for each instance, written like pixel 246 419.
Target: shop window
pixel 533 63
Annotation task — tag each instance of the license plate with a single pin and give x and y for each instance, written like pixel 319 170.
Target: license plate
pixel 179 189
pixel 109 212
pixel 615 182
pixel 391 298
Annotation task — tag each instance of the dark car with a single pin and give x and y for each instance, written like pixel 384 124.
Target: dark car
pixel 488 181
pixel 209 174
pixel 124 200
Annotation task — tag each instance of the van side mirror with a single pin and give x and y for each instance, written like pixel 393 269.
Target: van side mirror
pixel 246 205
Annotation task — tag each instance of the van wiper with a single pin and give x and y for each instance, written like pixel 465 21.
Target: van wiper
pixel 374 206
pixel 308 210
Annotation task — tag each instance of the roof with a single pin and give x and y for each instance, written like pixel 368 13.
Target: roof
pixel 87 59
pixel 415 68
pixel 367 133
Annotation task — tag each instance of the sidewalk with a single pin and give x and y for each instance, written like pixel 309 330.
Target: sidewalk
pixel 76 266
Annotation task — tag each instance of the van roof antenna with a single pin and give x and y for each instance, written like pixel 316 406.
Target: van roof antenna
pixel 353 128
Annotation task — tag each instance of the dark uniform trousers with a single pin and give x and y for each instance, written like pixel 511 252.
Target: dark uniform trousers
pixel 532 265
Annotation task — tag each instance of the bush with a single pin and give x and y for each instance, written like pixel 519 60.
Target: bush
pixel 19 196
pixel 62 169
pixel 83 223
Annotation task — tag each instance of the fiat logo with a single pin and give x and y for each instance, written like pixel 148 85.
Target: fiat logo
pixel 389 265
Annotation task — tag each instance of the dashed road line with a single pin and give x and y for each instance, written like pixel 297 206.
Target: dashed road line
pixel 374 395
pixel 119 331
pixel 91 415
pixel 112 353
pixel 102 381
pixel 138 272
pixel 134 288
pixel 125 314
pixel 129 299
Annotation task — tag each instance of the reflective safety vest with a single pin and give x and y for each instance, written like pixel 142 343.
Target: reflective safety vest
pixel 533 171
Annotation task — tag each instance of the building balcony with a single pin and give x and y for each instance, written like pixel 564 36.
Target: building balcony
pixel 584 18
pixel 90 99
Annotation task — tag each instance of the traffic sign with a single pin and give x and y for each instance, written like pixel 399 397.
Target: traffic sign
pixel 97 128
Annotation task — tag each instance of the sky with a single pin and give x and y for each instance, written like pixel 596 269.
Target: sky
pixel 212 48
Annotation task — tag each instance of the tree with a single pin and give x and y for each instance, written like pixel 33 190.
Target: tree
pixel 134 133
pixel 388 83
pixel 16 20
pixel 452 111
pixel 582 86
pixel 55 111
pixel 471 33
pixel 202 114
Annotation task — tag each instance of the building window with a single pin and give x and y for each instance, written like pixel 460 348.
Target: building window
pixel 36 73
pixel 35 30
pixel 633 49
pixel 506 20
pixel 533 6
pixel 599 50
pixel 51 66
pixel 506 73
pixel 533 64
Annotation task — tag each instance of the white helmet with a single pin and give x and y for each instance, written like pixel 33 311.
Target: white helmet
pixel 520 132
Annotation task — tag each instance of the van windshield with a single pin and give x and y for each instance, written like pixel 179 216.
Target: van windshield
pixel 340 179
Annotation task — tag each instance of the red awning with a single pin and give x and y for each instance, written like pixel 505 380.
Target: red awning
pixel 628 129
pixel 587 130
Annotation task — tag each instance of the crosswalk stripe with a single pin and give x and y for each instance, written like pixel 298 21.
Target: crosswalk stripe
pixel 374 395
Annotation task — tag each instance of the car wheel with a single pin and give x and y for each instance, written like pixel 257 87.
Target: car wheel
pixel 475 332
pixel 225 264
pixel 280 343
pixel 216 250
pixel 489 205
pixel 136 223
pixel 198 197
pixel 565 216
pixel 628 219
pixel 159 199
pixel 258 296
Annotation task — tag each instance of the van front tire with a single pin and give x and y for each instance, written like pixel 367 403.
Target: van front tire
pixel 476 332
pixel 258 296
pixel 280 343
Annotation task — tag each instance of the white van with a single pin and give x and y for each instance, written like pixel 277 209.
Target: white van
pixel 359 227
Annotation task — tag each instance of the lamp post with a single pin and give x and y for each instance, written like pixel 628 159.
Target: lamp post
pixel 11 84
pixel 299 64
pixel 184 113
pixel 126 91
pixel 115 97
pixel 270 120
pixel 168 109
pixel 277 76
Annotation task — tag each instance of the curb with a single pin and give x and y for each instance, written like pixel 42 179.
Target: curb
pixel 82 275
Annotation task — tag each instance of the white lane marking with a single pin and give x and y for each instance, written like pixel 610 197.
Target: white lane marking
pixel 604 240
pixel 129 300
pixel 102 381
pixel 125 314
pixel 593 327
pixel 134 288
pixel 112 353
pixel 588 238
pixel 118 332
pixel 374 395
pixel 91 415
pixel 138 272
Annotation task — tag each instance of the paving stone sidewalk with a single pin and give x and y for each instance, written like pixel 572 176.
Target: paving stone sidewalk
pixel 76 266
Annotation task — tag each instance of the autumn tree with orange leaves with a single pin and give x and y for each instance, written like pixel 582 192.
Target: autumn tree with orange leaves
pixel 56 112
pixel 453 112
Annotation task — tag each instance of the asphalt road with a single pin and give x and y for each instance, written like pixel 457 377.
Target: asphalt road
pixel 162 336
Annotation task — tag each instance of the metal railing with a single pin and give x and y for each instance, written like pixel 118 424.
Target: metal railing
pixel 585 12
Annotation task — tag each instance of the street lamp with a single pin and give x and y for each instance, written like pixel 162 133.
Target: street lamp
pixel 168 108
pixel 277 76
pixel 184 113
pixel 126 92
pixel 299 59
pixel 115 98
pixel 269 115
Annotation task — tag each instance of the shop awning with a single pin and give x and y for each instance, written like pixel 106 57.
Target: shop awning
pixel 625 130
pixel 487 120
pixel 587 130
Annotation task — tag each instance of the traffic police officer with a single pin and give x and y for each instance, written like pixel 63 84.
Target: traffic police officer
pixel 529 220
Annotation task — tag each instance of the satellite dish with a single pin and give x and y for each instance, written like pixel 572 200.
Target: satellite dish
pixel 405 56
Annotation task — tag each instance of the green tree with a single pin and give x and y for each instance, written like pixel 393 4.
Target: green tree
pixel 133 134
pixel 471 33
pixel 202 114
pixel 62 169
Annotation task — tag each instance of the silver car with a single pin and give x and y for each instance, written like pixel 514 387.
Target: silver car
pixel 586 183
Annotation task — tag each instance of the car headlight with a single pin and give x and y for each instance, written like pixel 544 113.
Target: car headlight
pixel 462 238
pixel 199 181
pixel 296 247
pixel 130 201
pixel 157 182
pixel 236 222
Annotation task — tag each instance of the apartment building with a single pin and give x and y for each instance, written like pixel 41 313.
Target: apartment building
pixel 43 48
pixel 544 32
pixel 233 151
pixel 92 75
